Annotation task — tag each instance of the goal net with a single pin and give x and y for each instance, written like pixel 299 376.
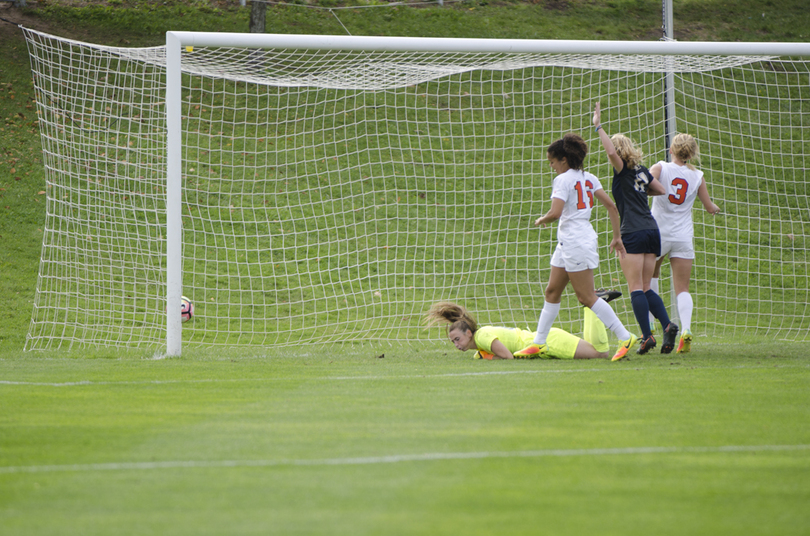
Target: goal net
pixel 332 195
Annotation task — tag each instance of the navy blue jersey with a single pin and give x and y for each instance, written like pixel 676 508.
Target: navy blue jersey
pixel 630 193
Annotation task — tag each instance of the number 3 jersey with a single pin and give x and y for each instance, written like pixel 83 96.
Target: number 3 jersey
pixel 673 210
pixel 576 188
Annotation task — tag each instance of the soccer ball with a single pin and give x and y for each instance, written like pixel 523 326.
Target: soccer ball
pixel 186 309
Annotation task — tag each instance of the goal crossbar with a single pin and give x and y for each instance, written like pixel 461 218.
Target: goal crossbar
pixel 512 46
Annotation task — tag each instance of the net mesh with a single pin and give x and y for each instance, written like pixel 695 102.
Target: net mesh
pixel 332 196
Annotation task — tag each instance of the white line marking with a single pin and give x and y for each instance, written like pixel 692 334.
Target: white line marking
pixel 398 458
pixel 391 377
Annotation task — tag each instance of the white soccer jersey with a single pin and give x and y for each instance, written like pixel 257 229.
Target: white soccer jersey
pixel 673 210
pixel 576 188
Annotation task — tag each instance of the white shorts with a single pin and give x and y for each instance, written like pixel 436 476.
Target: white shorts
pixel 576 258
pixel 679 250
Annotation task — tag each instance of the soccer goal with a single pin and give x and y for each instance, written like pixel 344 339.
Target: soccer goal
pixel 324 190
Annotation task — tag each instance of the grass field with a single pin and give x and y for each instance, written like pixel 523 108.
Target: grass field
pixel 421 441
pixel 385 439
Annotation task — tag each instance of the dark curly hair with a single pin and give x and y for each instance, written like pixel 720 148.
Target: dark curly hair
pixel 571 147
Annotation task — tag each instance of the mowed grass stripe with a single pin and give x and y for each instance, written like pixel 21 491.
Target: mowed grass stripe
pixel 373 460
pixel 616 368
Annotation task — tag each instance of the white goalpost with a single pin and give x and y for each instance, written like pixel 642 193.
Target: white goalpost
pixel 327 189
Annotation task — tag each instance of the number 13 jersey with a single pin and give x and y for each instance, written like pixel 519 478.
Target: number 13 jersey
pixel 673 210
pixel 576 188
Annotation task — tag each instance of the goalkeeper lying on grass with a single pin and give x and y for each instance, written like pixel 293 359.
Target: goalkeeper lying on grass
pixel 494 342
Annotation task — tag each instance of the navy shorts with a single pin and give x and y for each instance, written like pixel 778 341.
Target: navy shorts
pixel 646 241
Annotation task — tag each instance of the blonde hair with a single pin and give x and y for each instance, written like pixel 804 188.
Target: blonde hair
pixel 627 150
pixel 685 148
pixel 453 314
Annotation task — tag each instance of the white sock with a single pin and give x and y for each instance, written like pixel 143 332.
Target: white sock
pixel 605 313
pixel 547 317
pixel 654 288
pixel 685 307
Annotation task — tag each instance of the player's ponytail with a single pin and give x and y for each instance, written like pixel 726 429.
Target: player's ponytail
pixel 571 147
pixel 453 314
pixel 685 148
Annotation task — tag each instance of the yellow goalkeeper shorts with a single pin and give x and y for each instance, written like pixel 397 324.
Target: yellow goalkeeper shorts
pixel 561 344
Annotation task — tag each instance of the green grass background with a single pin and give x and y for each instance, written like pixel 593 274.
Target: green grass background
pixel 303 415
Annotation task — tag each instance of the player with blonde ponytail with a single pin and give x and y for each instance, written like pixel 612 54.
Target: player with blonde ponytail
pixel 683 183
pixel 632 183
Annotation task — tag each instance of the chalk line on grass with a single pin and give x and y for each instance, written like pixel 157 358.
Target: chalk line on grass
pixel 397 458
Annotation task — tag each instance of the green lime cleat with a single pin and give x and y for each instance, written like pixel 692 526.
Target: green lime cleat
pixel 685 344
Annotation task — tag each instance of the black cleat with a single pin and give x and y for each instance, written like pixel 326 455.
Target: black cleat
pixel 607 294
pixel 646 345
pixel 670 336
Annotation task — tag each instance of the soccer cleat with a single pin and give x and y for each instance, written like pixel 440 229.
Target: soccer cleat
pixel 646 345
pixel 480 354
pixel 625 347
pixel 532 351
pixel 685 344
pixel 670 335
pixel 607 294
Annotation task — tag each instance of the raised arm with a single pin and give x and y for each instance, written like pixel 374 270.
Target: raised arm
pixel 615 159
pixel 615 223
pixel 703 195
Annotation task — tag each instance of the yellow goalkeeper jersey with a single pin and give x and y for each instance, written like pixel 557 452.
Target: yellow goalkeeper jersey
pixel 513 338
pixel 560 343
